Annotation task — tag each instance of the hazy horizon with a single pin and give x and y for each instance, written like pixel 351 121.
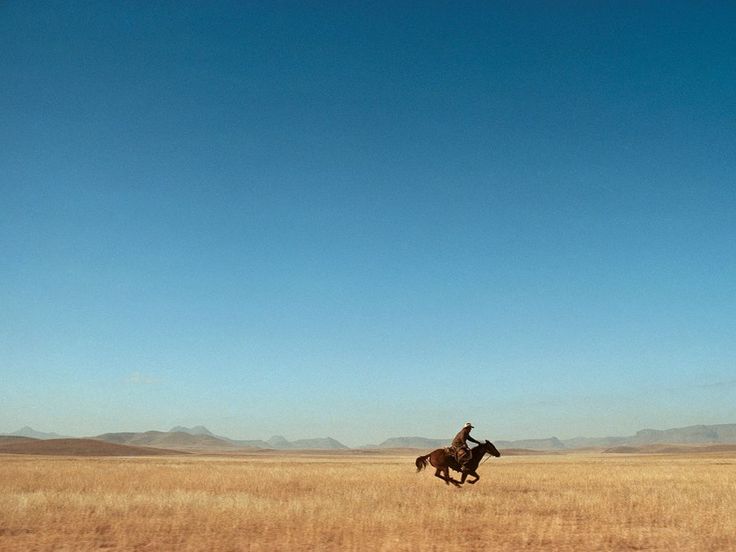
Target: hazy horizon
pixel 358 443
pixel 367 221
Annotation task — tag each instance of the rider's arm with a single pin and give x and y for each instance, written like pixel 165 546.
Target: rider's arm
pixel 473 440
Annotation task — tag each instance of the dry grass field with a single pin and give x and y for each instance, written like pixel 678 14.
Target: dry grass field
pixel 371 502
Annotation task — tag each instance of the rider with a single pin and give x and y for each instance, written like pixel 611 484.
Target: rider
pixel 460 446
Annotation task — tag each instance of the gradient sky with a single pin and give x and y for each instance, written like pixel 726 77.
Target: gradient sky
pixel 367 220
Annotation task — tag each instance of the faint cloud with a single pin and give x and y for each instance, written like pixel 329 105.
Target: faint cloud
pixel 137 378
pixel 718 384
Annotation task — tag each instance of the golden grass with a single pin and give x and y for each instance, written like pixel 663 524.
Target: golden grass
pixel 572 502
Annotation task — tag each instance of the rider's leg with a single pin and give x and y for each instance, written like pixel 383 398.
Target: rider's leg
pixel 463 458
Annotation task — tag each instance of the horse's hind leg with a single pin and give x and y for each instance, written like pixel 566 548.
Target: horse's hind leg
pixel 438 473
pixel 451 479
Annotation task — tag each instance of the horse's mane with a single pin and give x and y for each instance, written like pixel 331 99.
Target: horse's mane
pixel 476 449
pixel 477 452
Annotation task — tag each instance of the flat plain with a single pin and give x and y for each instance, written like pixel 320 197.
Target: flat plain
pixel 255 502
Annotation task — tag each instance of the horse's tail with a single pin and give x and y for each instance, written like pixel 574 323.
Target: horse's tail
pixel 421 462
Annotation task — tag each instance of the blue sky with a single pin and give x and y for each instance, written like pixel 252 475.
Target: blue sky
pixel 367 220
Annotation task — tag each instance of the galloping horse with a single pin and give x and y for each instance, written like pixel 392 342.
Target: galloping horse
pixel 443 460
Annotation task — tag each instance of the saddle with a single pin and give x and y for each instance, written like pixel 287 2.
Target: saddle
pixel 453 453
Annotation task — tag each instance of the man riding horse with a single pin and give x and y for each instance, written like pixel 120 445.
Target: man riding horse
pixel 458 457
pixel 459 445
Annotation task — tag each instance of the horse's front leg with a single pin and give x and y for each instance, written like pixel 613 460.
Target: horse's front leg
pixel 475 475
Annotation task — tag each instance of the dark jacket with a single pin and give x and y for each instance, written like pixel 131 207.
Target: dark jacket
pixel 461 438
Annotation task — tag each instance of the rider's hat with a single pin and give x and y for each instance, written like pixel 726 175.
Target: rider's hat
pixel 468 424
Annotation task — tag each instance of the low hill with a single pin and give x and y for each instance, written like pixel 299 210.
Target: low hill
pixel 319 443
pixel 165 439
pixel 201 430
pixel 27 431
pixel 78 447
pixel 279 442
pixel 200 438
pixel 672 449
pixel 719 434
pixel 276 442
pixel 593 442
pixel 251 443
pixel 195 430
pixel 697 434
pixel 5 439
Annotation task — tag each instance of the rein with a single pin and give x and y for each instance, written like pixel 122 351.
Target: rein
pixel 486 459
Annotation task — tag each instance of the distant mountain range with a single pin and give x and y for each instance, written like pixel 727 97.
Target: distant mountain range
pixel 553 443
pixel 276 442
pixel 75 447
pixel 691 435
pixel 26 431
pixel 166 439
pixel 193 439
pixel 199 438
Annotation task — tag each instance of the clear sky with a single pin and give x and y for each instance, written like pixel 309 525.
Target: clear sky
pixel 367 220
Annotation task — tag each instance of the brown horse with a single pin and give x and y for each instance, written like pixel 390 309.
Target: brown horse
pixel 444 460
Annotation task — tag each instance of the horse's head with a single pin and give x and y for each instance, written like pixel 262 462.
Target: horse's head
pixel 491 449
